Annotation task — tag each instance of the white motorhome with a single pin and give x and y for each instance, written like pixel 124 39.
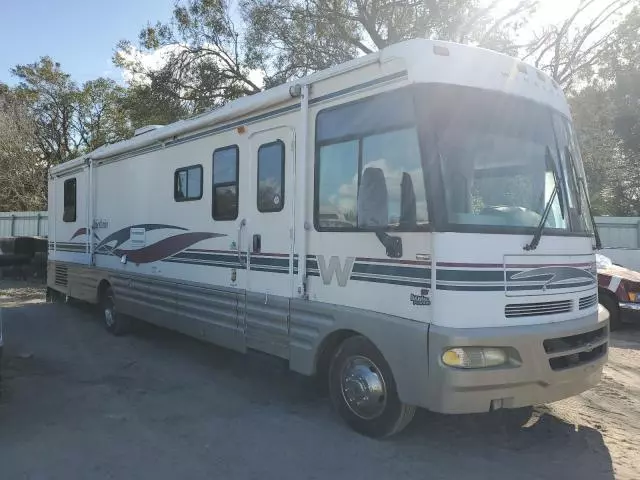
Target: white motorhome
pixel 412 224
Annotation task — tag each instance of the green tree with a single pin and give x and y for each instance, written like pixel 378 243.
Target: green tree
pixel 146 105
pixel 573 50
pixel 210 59
pixel 70 120
pixel 607 117
pixel 289 38
pixel 51 97
pixel 204 58
pixel 51 120
pixel 22 171
pixel 99 117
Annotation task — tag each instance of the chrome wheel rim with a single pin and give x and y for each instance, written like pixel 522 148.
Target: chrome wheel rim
pixel 363 387
pixel 109 315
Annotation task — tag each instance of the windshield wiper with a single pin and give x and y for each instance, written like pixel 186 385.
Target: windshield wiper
pixel 557 192
pixel 582 189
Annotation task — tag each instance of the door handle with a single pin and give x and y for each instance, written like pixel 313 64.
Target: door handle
pixel 243 222
pixel 257 243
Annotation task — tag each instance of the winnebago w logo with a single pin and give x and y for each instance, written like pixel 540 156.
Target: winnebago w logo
pixel 334 268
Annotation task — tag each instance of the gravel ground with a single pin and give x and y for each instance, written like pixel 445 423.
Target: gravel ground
pixel 79 403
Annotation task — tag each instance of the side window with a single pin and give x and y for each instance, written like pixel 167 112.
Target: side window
pixel 271 177
pixel 338 171
pixel 368 166
pixel 69 213
pixel 187 184
pixel 225 183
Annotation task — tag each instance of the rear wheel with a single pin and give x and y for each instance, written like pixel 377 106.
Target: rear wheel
pixel 54 296
pixel 363 390
pixel 115 322
pixel 611 304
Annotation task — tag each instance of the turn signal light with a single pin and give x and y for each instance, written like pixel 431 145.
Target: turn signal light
pixel 474 357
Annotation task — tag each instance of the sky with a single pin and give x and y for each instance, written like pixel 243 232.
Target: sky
pixel 82 34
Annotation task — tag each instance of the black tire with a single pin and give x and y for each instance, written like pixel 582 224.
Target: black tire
pixel 115 323
pixel 611 304
pixel 391 415
pixel 53 296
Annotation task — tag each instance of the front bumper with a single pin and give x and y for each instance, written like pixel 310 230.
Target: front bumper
pixel 568 363
pixel 630 312
pixel 630 306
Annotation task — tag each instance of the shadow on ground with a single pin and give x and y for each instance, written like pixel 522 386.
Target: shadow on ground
pixel 628 336
pixel 80 403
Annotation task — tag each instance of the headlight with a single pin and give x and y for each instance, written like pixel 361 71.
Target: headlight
pixel 474 357
pixel 634 296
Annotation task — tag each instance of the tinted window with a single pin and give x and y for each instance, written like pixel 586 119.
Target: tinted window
pixel 271 177
pixel 397 154
pixel 498 158
pixel 225 183
pixel 388 111
pixel 338 172
pixel 69 213
pixel 188 184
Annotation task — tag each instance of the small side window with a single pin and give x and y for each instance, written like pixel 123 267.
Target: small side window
pixel 271 177
pixel 69 213
pixel 187 184
pixel 225 183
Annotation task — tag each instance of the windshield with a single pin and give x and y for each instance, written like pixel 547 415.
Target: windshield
pixel 500 160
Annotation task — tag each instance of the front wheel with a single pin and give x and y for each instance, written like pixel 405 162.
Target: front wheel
pixel 115 322
pixel 363 390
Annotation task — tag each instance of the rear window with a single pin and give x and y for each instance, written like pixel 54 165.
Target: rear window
pixel 271 177
pixel 225 183
pixel 187 184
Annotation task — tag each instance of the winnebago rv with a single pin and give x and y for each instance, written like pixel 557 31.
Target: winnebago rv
pixel 412 224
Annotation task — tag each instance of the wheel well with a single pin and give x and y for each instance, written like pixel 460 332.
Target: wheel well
pixel 328 348
pixel 102 289
pixel 603 292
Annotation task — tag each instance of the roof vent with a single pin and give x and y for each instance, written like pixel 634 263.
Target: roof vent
pixel 146 129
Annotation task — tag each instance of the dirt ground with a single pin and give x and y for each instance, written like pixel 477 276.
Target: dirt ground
pixel 79 403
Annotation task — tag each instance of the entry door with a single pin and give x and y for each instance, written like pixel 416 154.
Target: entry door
pixel 270 240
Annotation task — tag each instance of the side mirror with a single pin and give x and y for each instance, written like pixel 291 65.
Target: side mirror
pixel 393 245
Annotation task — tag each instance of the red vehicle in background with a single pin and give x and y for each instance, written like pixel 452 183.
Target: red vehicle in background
pixel 618 291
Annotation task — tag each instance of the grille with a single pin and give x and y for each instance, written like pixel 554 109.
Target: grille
pixel 533 309
pixel 575 350
pixel 563 344
pixel 588 302
pixel 577 359
pixel 61 275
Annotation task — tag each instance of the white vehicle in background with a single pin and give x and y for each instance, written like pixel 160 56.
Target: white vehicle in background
pixel 413 225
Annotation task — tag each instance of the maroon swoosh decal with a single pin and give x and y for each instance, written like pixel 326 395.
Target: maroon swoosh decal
pixel 80 231
pixel 165 247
